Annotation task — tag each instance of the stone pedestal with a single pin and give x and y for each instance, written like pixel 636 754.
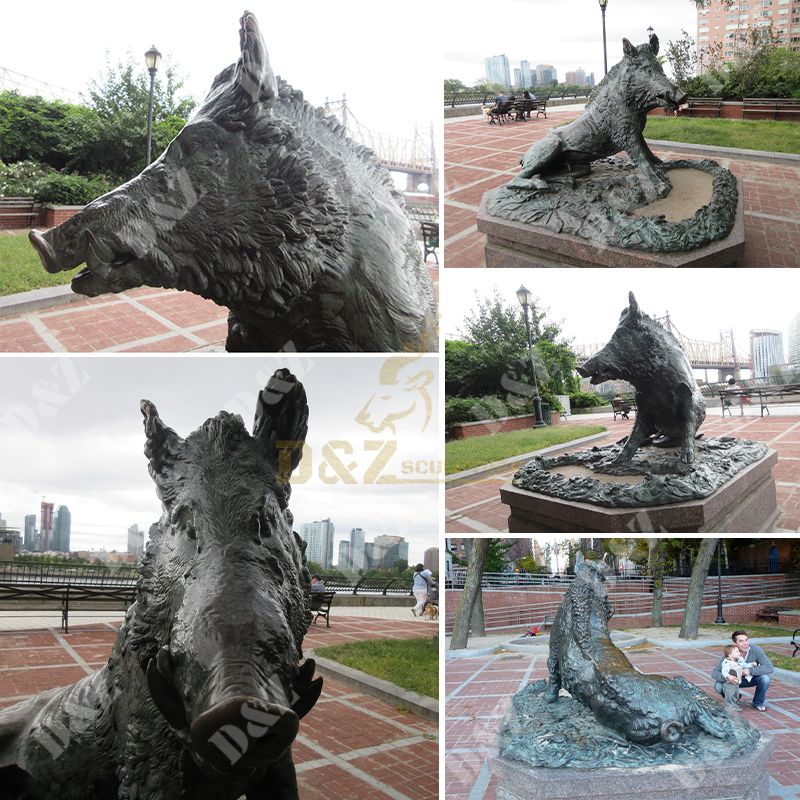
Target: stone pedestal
pixel 740 778
pixel 518 244
pixel 746 504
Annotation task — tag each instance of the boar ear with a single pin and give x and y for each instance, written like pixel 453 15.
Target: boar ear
pixel 254 79
pixel 628 49
pixel 162 445
pixel 633 307
pixel 654 44
pixel 281 423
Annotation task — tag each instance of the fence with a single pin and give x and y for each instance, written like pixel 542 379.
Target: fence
pixel 67 574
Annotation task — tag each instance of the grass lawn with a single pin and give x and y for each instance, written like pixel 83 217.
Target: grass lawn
pixel 410 663
pixel 783 661
pixel 20 267
pixel 775 136
pixel 463 454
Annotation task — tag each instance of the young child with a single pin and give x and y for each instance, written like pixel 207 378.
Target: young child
pixel 732 666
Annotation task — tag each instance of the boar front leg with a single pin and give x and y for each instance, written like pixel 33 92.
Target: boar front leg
pixel 642 428
pixel 279 781
pixel 654 179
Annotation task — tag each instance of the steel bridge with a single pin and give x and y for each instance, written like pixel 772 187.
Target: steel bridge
pixel 720 354
pixel 416 157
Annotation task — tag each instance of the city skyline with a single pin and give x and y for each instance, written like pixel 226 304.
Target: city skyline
pixel 76 428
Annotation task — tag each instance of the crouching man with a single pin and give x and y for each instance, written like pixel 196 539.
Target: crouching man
pixel 756 670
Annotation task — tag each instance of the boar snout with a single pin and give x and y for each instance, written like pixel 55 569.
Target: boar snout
pixel 243 733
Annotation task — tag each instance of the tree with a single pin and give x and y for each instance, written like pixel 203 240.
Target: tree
pixel 472 588
pixel 682 57
pixel 496 555
pixel 453 85
pixel 656 566
pixel 694 598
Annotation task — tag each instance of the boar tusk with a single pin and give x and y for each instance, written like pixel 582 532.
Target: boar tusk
pixel 308 698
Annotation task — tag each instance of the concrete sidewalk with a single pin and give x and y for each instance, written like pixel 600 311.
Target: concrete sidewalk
pixel 351 745
pixel 479 691
pixel 475 507
pixel 479 157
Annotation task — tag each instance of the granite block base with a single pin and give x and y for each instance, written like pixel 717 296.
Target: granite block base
pixel 518 244
pixel 746 504
pixel 742 778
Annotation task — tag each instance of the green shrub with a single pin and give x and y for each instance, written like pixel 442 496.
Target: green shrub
pixel 474 409
pixel 586 400
pixel 20 179
pixel 70 190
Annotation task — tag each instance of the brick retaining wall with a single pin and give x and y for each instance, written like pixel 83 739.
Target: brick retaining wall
pixel 50 216
pixel 465 430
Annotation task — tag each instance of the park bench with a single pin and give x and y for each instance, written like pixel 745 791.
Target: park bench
pixel 18 212
pixel 430 239
pixel 540 106
pixel 770 613
pixel 702 107
pixel 776 394
pixel 622 408
pixel 770 107
pixel 794 642
pixel 321 606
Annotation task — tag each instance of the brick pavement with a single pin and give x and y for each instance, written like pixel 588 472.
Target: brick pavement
pixel 479 157
pixel 479 689
pixel 475 507
pixel 350 745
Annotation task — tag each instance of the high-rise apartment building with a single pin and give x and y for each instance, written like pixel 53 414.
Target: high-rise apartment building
pixel 576 77
pixel 344 555
pixel 766 350
pixel 29 542
pixel 319 537
pixel 431 559
pixel 525 71
pixel 386 551
pixel 357 560
pixel 62 528
pixel 45 525
pixel 545 73
pixel 497 70
pixel 794 340
pixel 728 27
pixel 517 78
pixel 135 541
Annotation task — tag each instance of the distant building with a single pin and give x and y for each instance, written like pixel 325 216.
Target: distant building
pixel 319 537
pixel 10 536
pixel 766 350
pixel 519 548
pixel 517 78
pixel 357 548
pixel 62 529
pixel 590 79
pixel 576 77
pixel 386 551
pixel 344 562
pixel 497 70
pixel 45 526
pixel 431 559
pixel 525 71
pixel 29 542
pixel 135 541
pixel 545 73
pixel 794 340
pixel 459 547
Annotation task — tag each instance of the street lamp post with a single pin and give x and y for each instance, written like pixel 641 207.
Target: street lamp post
pixel 152 58
pixel 524 297
pixel 603 4
pixel 720 619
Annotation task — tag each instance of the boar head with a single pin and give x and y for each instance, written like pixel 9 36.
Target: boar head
pixel 645 84
pixel 222 605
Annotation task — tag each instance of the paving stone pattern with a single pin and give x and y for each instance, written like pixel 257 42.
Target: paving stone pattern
pixel 350 746
pixel 479 690
pixel 479 157
pixel 476 508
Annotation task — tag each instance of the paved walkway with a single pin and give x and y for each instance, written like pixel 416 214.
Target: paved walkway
pixel 475 507
pixel 351 745
pixel 479 157
pixel 479 690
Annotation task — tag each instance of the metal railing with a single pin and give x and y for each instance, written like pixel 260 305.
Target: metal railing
pixel 382 586
pixel 67 574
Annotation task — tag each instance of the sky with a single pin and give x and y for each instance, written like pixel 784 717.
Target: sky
pixel 565 33
pixel 587 302
pixel 71 431
pixel 382 60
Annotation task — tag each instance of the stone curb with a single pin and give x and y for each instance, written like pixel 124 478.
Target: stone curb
pixel 422 706
pixel 468 475
pixel 14 304
pixel 726 152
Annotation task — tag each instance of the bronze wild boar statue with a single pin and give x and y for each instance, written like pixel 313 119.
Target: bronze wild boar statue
pixel 264 205
pixel 203 692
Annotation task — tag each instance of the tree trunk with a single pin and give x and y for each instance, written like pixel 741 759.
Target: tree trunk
pixel 694 600
pixel 472 588
pixel 655 566
pixel 476 623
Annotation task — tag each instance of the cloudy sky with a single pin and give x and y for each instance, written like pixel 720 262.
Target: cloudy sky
pixel 71 430
pixel 565 33
pixel 384 58
pixel 588 302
